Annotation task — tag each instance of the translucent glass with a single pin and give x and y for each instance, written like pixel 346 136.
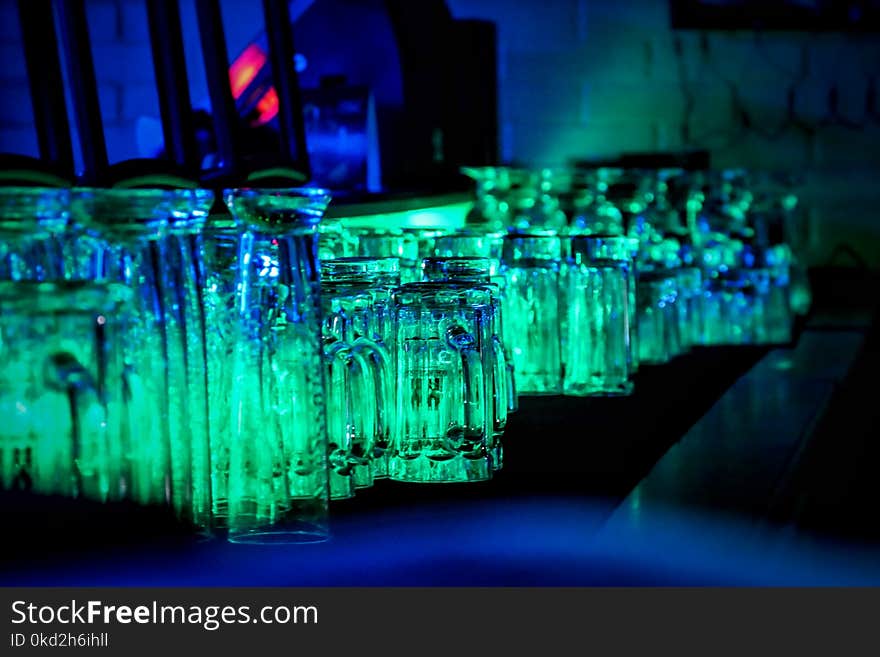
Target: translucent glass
pixel 360 384
pixel 278 477
pixel 129 236
pixel 490 245
pixel 61 390
pixel 475 271
pixel 690 305
pixel 442 385
pixel 392 243
pixel 37 240
pixel 532 317
pixel 335 240
pixel 659 340
pixel 369 283
pixel 729 310
pixel 491 209
pixel 598 360
pixel 184 253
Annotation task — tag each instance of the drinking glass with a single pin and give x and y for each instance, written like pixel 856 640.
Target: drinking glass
pixel 489 245
pixel 61 389
pixel 363 317
pixel 531 266
pixel 442 383
pixel 598 360
pixel 278 477
pixel 127 233
pixel 392 243
pixel 658 322
pixel 491 208
pixel 729 309
pixel 690 305
pixel 335 240
pixel 36 240
pixel 476 271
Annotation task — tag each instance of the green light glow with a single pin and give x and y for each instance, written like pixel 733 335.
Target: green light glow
pixel 442 216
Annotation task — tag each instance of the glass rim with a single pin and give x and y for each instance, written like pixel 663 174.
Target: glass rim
pixel 280 208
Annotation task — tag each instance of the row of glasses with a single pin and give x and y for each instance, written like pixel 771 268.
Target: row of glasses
pixel 159 353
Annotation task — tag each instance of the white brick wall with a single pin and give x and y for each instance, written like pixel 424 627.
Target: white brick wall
pixel 577 78
pixel 587 78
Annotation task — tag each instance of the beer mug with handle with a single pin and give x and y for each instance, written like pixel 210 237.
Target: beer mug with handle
pixel 444 426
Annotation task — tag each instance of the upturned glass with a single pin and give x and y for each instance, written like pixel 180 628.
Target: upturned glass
pixel 489 245
pixel 476 271
pixel 598 306
pixel 358 339
pixel 658 322
pixel 392 243
pixel 128 235
pixel 532 318
pixel 37 239
pixel 61 390
pixel 278 477
pixel 443 394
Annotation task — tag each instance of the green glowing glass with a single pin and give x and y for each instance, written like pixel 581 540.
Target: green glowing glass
pixel 37 242
pixel 598 361
pixel 278 479
pixel 442 384
pixel 690 305
pixel 491 209
pixel 61 390
pixel 476 272
pixel 359 327
pixel 489 245
pixel 129 231
pixel 658 322
pixel 532 318
pixel 392 243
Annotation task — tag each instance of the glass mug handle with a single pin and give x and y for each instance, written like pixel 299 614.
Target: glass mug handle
pixel 379 360
pixel 501 372
pixel 89 449
pixel 458 338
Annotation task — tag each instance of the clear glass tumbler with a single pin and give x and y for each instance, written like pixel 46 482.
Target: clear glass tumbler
pixel 392 243
pixel 128 232
pixel 278 477
pixel 490 245
pixel 37 239
pixel 598 360
pixel 358 292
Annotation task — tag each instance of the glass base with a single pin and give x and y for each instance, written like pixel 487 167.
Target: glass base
pixel 295 533
pixel 424 470
pixel 362 475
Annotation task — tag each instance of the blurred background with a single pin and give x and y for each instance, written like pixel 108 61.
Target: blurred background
pixel 786 86
pixel 396 97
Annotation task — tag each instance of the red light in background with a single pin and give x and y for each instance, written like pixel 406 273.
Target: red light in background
pixel 245 68
pixel 267 107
